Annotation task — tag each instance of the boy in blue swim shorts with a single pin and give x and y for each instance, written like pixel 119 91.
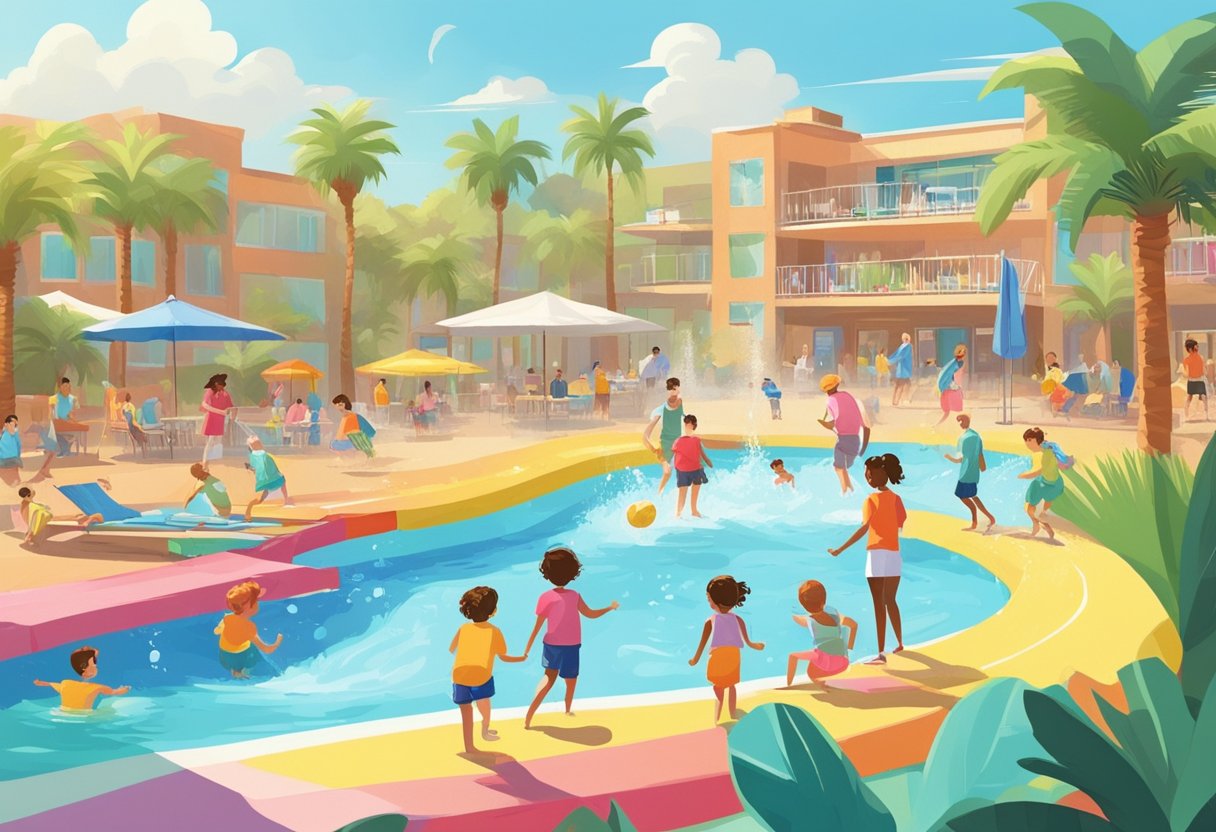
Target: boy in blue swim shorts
pixel 476 645
pixel 971 464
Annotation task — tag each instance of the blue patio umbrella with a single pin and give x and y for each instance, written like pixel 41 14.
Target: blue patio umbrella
pixel 175 320
pixel 1009 332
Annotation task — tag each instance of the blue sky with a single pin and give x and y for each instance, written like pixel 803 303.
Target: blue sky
pixel 565 52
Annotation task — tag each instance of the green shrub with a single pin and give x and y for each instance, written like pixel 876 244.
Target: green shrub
pixel 1197 606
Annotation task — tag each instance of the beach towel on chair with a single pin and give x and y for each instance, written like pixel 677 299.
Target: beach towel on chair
pixel 366 427
pixel 91 498
pixel 360 441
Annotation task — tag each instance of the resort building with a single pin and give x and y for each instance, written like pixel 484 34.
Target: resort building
pixel 278 259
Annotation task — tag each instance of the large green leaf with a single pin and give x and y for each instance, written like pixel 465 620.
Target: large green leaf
pixel 1196 782
pixel 1100 53
pixel 789 773
pixel 583 819
pixel 1030 817
pixel 1020 167
pixel 1087 759
pixel 377 823
pixel 1176 64
pixel 1197 578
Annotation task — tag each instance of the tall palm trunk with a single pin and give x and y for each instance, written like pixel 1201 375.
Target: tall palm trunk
pixel 346 355
pixel 499 202
pixel 169 235
pixel 126 305
pixel 610 346
pixel 1151 239
pixel 9 253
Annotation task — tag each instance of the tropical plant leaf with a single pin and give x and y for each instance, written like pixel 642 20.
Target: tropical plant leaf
pixel 1176 64
pixel 583 819
pixel 1197 579
pixel 1196 785
pixel 1029 817
pixel 787 769
pixel 378 823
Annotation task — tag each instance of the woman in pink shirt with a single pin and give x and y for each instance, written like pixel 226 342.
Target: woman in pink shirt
pixel 561 608
pixel 217 404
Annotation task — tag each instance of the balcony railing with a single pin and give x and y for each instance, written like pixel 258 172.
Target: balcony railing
pixel 1191 260
pixel 970 274
pixel 681 267
pixel 883 201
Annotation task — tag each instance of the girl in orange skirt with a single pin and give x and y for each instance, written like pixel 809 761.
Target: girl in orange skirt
pixel 725 633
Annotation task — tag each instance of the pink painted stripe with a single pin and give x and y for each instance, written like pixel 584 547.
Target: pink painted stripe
pixel 288 547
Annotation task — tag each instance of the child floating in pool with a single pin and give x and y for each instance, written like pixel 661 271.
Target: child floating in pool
pixel 783 477
pixel 36 515
pixel 689 453
pixel 214 491
pixel 239 642
pixel 560 608
pixel 81 695
pixel 726 634
pixel 476 645
pixel 830 654
pixel 266 474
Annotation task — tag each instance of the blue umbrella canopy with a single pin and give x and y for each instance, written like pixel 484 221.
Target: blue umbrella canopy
pixel 1009 333
pixel 175 320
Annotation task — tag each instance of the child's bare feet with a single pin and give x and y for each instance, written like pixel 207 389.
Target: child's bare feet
pixel 1034 530
pixel 489 735
pixel 879 659
pixel 970 528
pixel 1051 534
pixel 697 514
pixel 898 649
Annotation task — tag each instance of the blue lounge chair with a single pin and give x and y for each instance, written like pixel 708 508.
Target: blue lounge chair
pixel 91 498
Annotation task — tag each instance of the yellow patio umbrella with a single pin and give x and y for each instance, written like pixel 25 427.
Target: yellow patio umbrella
pixel 417 363
pixel 291 370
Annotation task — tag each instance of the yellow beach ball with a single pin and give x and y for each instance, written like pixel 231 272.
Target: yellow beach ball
pixel 641 514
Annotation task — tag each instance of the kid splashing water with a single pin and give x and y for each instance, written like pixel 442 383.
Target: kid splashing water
pixel 726 634
pixel 830 654
pixel 239 642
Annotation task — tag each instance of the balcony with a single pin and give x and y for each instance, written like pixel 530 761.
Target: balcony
pixel 964 275
pixel 1191 260
pixel 884 201
pixel 687 267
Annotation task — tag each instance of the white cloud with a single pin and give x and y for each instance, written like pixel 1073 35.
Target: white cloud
pixel 969 73
pixel 172 61
pixel 437 36
pixel 703 91
pixel 501 91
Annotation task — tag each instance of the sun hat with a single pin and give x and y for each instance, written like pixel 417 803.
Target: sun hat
pixel 828 382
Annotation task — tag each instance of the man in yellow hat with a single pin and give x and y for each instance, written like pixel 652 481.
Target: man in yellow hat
pixel 846 417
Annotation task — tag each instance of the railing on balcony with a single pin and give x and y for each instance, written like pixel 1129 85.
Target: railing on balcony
pixel 970 274
pixel 681 267
pixel 1191 260
pixel 883 200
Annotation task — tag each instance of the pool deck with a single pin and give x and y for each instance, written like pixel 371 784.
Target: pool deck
pixel 1076 611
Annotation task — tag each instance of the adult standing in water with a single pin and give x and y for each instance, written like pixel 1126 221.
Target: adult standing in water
pixel 847 420
pixel 216 407
pixel 949 384
pixel 901 369
pixel 971 459
pixel 671 414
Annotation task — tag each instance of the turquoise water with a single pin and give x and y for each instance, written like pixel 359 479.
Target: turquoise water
pixel 378 647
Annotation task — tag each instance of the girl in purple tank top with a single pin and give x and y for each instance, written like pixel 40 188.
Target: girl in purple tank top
pixel 725 633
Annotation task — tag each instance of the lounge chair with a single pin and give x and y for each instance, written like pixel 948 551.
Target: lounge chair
pixel 91 498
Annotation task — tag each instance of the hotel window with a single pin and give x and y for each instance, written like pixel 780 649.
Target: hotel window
pixel 143 262
pixel 747 183
pixel 203 271
pixel 100 265
pixel 58 258
pixel 220 180
pixel 283 227
pixel 746 255
pixel 1061 274
pixel 748 314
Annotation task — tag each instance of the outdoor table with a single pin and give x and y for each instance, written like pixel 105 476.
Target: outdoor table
pixel 76 432
pixel 182 429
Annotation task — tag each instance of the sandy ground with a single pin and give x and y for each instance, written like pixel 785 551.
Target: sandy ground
pixel 405 461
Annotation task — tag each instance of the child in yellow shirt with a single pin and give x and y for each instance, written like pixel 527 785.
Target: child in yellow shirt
pixel 476 645
pixel 76 695
pixel 239 642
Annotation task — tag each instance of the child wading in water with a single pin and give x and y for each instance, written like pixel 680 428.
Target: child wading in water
pixel 81 694
pixel 830 654
pixel 689 454
pixel 726 634
pixel 782 476
pixel 476 645
pixel 561 609
pixel 882 516
pixel 239 642
pixel 1047 485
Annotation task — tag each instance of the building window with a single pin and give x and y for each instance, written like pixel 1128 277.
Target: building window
pixel 143 263
pixel 203 271
pixel 747 183
pixel 746 255
pixel 148 354
pixel 307 295
pixel 58 258
pixel 220 180
pixel 99 267
pixel 748 314
pixel 260 225
pixel 1061 274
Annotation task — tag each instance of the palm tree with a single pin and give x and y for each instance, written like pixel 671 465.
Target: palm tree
pixel 599 143
pixel 563 245
pixel 124 183
pixel 46 342
pixel 245 363
pixel 340 152
pixel 1104 293
pixel 493 165
pixel 186 200
pixel 41 178
pixel 1124 127
pixel 436 267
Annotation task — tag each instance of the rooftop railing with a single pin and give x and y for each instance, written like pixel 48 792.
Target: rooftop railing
pixel 678 267
pixel 883 201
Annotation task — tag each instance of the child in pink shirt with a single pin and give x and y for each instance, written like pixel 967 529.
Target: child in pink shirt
pixel 561 608
pixel 689 454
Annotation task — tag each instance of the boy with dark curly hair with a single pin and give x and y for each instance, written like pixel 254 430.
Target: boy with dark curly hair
pixel 476 645
pixel 726 634
pixel 561 608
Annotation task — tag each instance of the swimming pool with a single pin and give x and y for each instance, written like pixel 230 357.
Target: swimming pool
pixel 377 647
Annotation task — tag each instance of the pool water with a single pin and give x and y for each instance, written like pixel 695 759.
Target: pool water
pixel 378 646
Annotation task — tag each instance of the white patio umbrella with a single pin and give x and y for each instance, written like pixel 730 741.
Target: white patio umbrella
pixel 97 313
pixel 546 314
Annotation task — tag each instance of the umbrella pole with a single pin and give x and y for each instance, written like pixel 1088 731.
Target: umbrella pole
pixel 544 373
pixel 176 405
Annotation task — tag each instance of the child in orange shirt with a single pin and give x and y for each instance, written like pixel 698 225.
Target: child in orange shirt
pixel 239 642
pixel 1196 383
pixel 80 695
pixel 882 516
pixel 476 645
